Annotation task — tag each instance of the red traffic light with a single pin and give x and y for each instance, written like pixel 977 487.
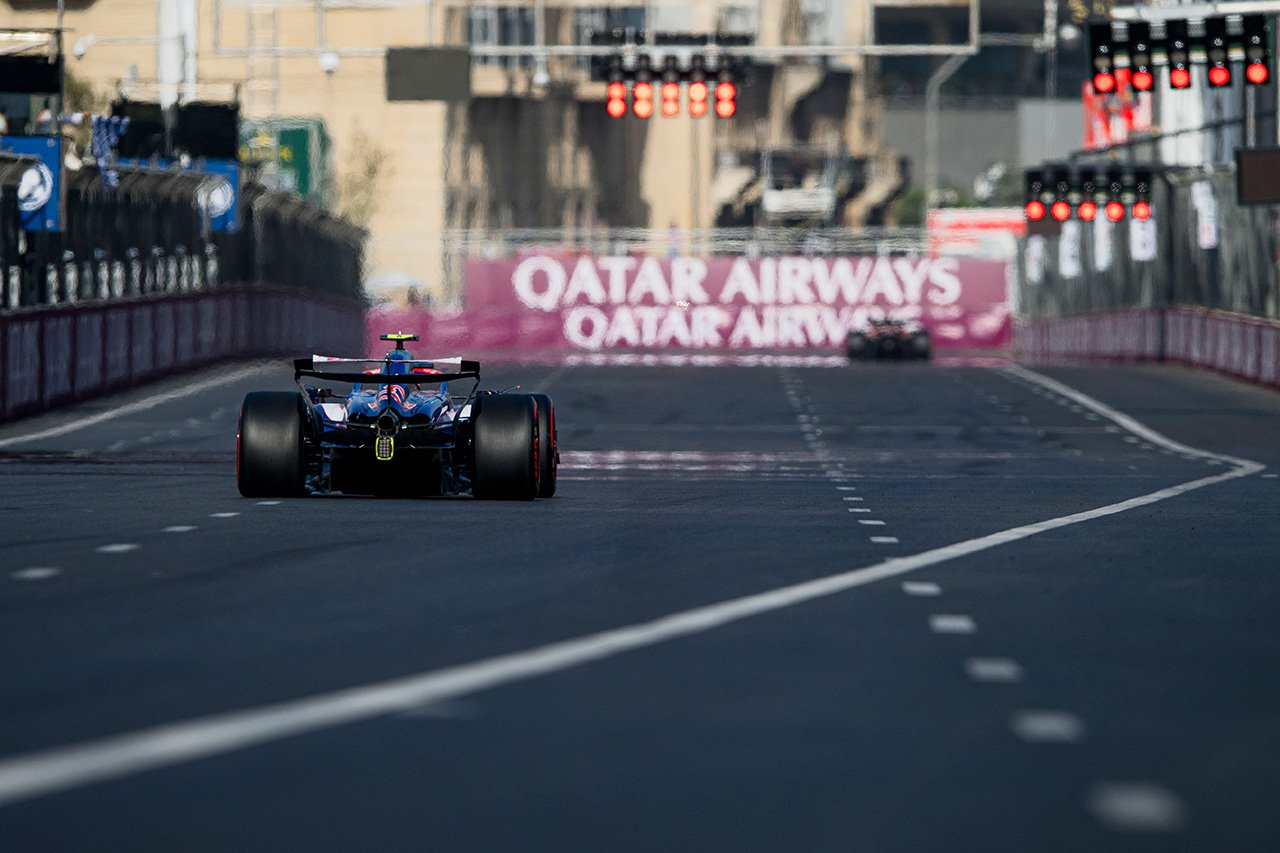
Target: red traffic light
pixel 643 91
pixel 1035 210
pixel 1257 73
pixel 1141 210
pixel 1179 78
pixel 670 91
pixel 643 107
pixel 697 109
pixel 1219 75
pixel 616 90
pixel 726 108
pixel 1088 211
pixel 1142 81
pixel 1115 211
pixel 617 107
pixel 1104 82
pixel 1060 211
pixel 698 91
pixel 670 108
pixel 726 91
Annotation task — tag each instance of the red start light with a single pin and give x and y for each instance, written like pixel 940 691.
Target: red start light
pixel 726 108
pixel 1257 73
pixel 616 107
pixel 1179 78
pixel 1219 75
pixel 698 91
pixel 616 90
pixel 1141 210
pixel 1088 211
pixel 1142 81
pixel 726 91
pixel 1060 211
pixel 643 91
pixel 670 108
pixel 1115 211
pixel 697 109
pixel 1035 210
pixel 1104 82
pixel 643 108
pixel 670 91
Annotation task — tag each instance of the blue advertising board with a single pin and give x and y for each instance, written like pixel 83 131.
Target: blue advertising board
pixel 221 202
pixel 40 190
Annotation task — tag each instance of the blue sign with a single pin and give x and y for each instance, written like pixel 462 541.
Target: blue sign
pixel 221 200
pixel 40 190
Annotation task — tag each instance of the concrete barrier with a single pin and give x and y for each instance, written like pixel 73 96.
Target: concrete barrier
pixel 53 356
pixel 1232 344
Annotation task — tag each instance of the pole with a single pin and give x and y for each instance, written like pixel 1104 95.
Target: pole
pixel 933 97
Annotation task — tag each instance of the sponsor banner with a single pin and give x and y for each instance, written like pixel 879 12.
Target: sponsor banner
pixel 606 303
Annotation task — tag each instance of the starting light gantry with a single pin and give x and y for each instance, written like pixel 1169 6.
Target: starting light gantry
pixel 1059 192
pixel 649 67
pixel 1214 42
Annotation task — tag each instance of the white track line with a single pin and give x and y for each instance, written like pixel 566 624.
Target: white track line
pixel 131 408
pixel 27 776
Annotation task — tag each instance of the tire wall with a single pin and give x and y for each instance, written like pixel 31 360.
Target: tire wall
pixel 1233 344
pixel 57 355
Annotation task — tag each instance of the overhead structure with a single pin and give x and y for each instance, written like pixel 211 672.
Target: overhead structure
pixel 1060 192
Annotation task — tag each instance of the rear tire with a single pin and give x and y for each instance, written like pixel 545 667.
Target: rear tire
pixel 548 454
pixel 921 345
pixel 270 460
pixel 506 448
pixel 857 346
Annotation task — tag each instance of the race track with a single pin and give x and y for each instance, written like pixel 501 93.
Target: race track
pixel 642 662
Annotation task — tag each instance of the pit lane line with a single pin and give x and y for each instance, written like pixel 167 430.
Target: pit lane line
pixel 32 775
pixel 136 406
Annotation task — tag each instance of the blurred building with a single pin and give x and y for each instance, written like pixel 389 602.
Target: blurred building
pixel 533 147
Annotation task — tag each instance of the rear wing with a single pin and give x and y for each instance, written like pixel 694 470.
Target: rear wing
pixel 307 367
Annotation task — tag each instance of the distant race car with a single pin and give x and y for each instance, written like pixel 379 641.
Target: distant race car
pixel 398 432
pixel 888 338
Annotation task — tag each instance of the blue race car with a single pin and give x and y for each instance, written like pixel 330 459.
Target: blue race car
pixel 397 432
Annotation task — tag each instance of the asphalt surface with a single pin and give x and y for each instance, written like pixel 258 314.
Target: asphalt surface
pixel 1106 685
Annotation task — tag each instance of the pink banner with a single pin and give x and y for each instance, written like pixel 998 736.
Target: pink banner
pixel 626 303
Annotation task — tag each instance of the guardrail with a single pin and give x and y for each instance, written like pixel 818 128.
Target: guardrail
pixel 53 356
pixel 1233 344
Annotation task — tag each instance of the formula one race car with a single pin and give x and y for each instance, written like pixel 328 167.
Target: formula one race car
pixel 887 338
pixel 398 432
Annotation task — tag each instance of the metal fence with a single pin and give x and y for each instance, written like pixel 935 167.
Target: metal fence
pixel 1200 248
pixel 150 235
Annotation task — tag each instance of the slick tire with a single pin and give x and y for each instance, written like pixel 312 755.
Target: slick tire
pixel 506 448
pixel 270 460
pixel 548 454
pixel 857 346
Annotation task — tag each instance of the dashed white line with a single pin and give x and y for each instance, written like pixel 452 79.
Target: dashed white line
pixel 885 540
pixel 846 488
pixel 1000 670
pixel 117 548
pixel 921 588
pixel 952 623
pixel 1047 726
pixel 1270 476
pixel 859 509
pixel 1137 807
pixel 268 503
pixel 223 514
pixel 179 528
pixel 35 573
pixel 871 522
pixel 852 498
